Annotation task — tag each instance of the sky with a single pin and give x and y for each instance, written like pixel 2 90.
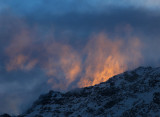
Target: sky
pixel 65 44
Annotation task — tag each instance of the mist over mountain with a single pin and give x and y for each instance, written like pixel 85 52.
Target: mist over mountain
pixel 132 93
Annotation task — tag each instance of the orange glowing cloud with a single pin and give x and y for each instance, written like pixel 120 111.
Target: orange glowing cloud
pixel 18 52
pixel 106 58
pixel 63 65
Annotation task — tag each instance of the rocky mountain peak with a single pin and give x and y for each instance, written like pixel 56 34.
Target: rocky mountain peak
pixel 130 94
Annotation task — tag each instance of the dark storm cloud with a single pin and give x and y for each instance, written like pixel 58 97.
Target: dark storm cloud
pixel 72 23
pixel 119 21
pixel 140 19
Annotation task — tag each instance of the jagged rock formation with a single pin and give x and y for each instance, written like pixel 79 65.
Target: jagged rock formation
pixel 131 94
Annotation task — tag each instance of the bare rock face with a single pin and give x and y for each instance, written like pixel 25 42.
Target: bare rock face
pixel 131 94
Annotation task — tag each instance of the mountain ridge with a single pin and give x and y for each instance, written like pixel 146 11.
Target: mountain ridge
pixel 132 93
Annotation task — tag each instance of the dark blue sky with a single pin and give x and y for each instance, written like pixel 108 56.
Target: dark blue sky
pixel 62 44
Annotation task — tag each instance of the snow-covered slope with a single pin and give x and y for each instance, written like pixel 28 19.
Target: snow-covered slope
pixel 131 94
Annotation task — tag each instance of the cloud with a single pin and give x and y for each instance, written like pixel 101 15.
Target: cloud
pixel 80 6
pixel 107 57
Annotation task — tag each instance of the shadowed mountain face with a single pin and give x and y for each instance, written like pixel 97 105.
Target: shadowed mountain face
pixel 133 93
